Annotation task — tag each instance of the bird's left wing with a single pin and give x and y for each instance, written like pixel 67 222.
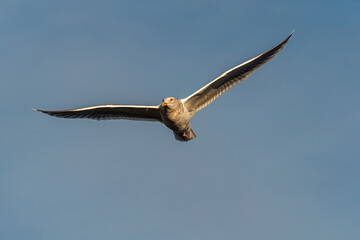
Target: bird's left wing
pixel 107 112
pixel 205 95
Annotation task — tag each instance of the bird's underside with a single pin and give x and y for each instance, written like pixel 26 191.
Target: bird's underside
pixel 174 113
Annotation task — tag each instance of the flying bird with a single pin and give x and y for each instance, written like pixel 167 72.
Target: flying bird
pixel 175 113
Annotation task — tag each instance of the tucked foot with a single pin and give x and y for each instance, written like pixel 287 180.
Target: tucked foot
pixel 185 136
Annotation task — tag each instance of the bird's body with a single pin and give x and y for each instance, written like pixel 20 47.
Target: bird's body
pixel 176 117
pixel 175 113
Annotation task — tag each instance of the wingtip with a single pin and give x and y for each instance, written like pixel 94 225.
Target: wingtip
pixel 292 32
pixel 287 38
pixel 37 110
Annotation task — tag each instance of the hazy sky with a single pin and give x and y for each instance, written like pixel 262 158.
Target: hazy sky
pixel 276 157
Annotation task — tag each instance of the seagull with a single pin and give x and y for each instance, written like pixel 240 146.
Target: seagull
pixel 175 113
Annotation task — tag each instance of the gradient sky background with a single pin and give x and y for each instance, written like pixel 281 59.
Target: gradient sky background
pixel 276 157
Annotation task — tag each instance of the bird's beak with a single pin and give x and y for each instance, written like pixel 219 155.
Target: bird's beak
pixel 164 103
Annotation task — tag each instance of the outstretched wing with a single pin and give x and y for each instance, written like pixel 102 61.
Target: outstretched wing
pixel 107 112
pixel 228 79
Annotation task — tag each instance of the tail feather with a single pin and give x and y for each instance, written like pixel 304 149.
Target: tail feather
pixel 189 135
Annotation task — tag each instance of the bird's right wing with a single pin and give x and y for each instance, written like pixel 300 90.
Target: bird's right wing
pixel 106 112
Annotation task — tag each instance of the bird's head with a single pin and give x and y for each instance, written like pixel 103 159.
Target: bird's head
pixel 170 103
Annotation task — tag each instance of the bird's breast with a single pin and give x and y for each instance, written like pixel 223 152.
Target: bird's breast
pixel 176 120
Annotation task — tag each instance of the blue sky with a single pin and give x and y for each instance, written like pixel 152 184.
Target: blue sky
pixel 275 157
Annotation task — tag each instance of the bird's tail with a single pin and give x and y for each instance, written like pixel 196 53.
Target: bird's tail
pixel 185 136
